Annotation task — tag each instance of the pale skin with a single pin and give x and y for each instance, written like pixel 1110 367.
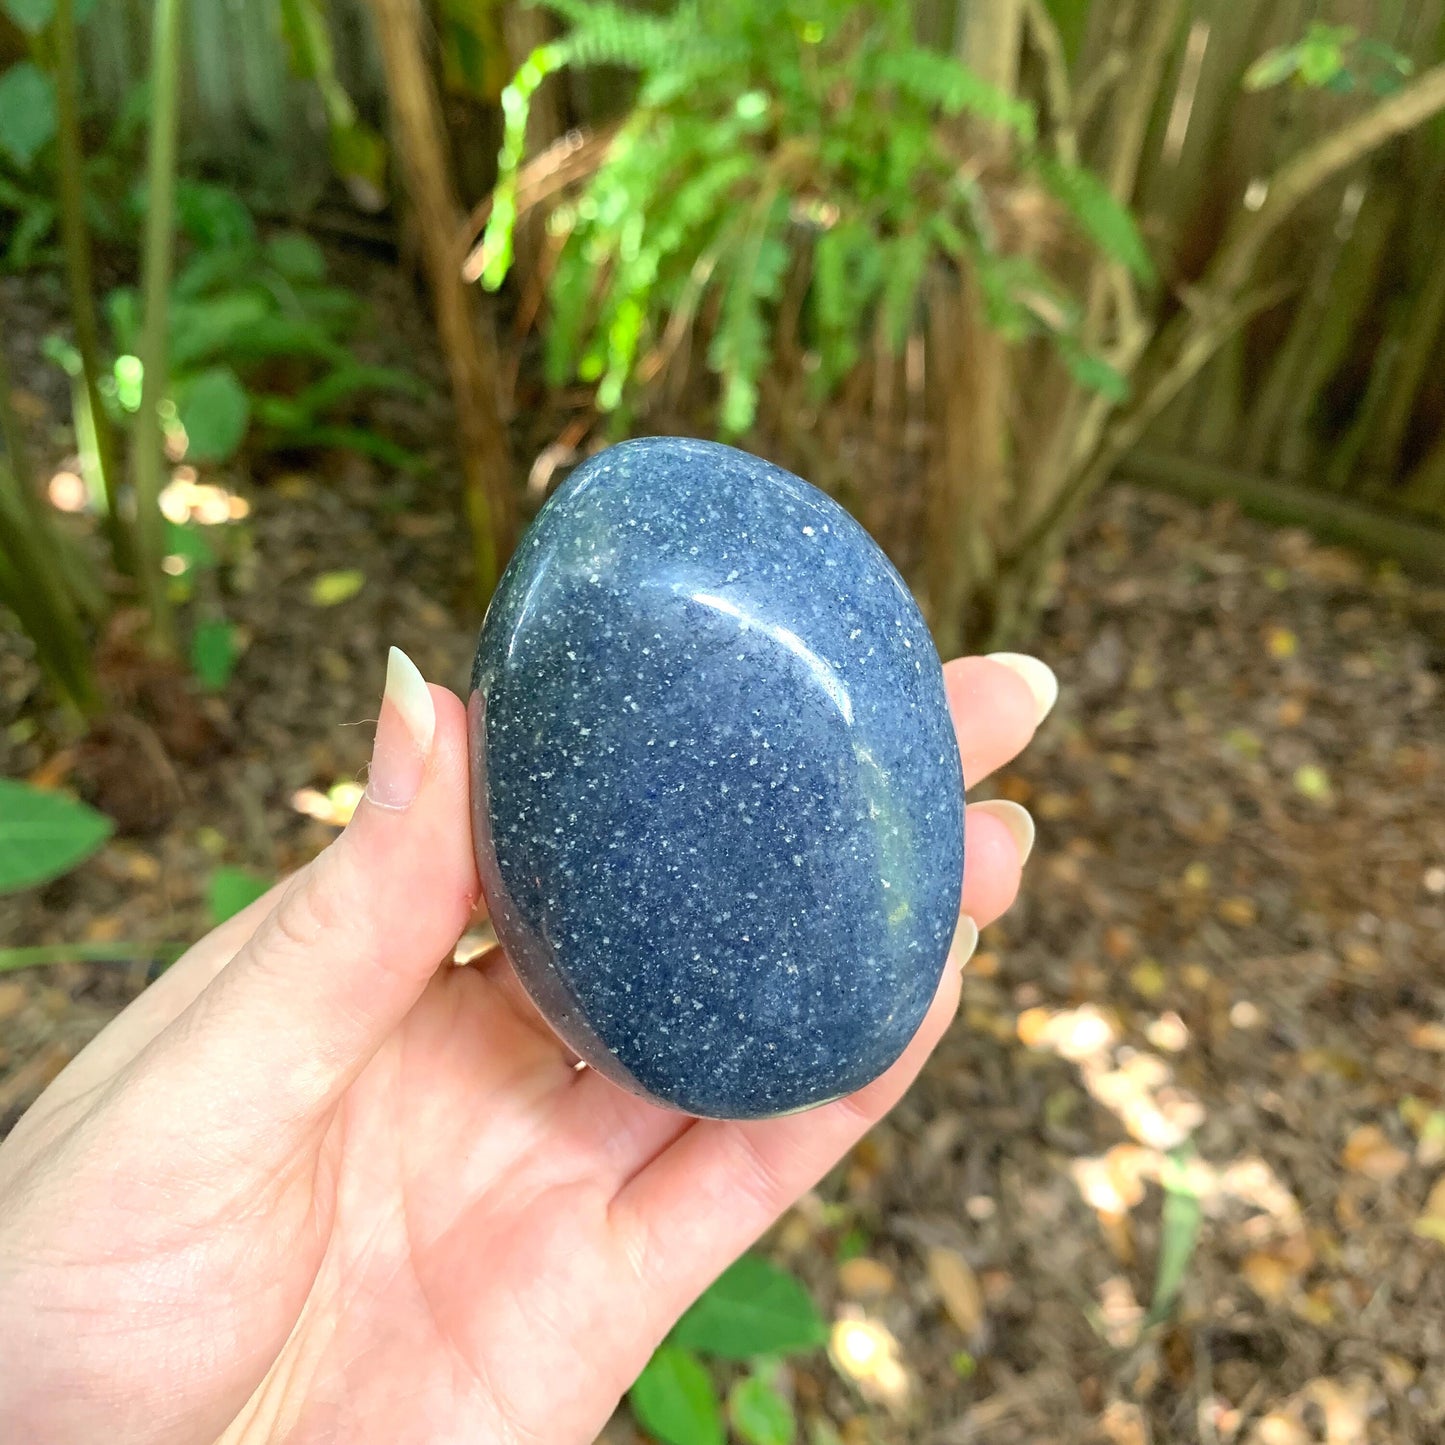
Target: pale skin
pixel 318 1185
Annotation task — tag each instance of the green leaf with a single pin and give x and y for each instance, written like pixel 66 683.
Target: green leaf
pixel 674 1400
pixel 44 834
pixel 296 256
pixel 760 1415
pixel 214 326
pixel 1179 1231
pixel 27 112
pixel 231 890
pixel 212 215
pixel 1106 222
pixel 213 653
pixel 32 16
pixel 186 541
pixel 330 589
pixel 215 411
pixel 1272 68
pixel 1095 373
pixel 753 1308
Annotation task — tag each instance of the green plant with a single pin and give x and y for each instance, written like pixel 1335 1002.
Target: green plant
pixel 1179 1231
pixel 44 834
pixel 1332 57
pixel 231 890
pixel 258 340
pixel 752 1315
pixel 768 137
pixel 40 581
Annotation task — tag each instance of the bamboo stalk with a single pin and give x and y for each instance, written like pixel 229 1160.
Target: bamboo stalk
pixel 75 243
pixel 157 250
pixel 1416 103
pixel 32 587
pixel 471 363
pixel 34 571
pixel 1284 398
pixel 1414 545
pixel 969 377
pixel 1325 339
pixel 1220 305
pixel 1418 349
pixel 1426 489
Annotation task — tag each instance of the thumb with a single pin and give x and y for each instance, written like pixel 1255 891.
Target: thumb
pixel 289 1023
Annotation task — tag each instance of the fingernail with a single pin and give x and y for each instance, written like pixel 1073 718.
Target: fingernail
pixel 965 941
pixel 1015 819
pixel 403 734
pixel 1040 678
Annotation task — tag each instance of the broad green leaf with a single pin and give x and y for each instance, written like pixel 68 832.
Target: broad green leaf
pixel 212 215
pixel 296 256
pixel 215 411
pixel 675 1401
pixel 213 327
pixel 32 16
pixel 44 834
pixel 232 889
pixel 759 1414
pixel 213 652
pixel 27 112
pixel 332 588
pixel 752 1308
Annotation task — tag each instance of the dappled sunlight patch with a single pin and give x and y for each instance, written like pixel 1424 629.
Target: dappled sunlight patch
pixel 333 807
pixel 185 498
pixel 1120 1315
pixel 867 1354
pixel 67 492
pixel 1324 1412
pixel 1073 1034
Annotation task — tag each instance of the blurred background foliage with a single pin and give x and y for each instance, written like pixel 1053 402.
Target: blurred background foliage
pixel 1010 250
pixel 960 264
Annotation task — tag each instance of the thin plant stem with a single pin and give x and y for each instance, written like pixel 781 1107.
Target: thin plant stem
pixel 32 575
pixel 75 242
pixel 159 245
pixel 46 954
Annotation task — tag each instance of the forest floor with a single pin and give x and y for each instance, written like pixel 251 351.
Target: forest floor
pixel 1222 991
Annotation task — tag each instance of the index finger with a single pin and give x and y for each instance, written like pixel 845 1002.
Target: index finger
pixel 997 702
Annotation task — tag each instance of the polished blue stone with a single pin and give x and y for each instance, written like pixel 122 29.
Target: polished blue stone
pixel 718 802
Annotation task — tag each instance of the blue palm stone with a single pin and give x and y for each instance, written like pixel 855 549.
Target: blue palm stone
pixel 718 802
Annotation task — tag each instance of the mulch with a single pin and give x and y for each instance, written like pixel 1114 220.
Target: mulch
pixel 1222 992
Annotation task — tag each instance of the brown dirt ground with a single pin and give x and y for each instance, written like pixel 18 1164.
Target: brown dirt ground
pixel 1226 971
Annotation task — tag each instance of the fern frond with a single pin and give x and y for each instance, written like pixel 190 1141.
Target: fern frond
pixel 930 78
pixel 1107 223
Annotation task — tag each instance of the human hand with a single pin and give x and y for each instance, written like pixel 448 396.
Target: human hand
pixel 317 1185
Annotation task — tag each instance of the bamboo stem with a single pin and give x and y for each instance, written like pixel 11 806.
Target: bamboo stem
pixel 1418 348
pixel 471 362
pixel 159 243
pixel 1218 306
pixel 34 581
pixel 32 587
pixel 1306 173
pixel 1413 544
pixel 75 243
